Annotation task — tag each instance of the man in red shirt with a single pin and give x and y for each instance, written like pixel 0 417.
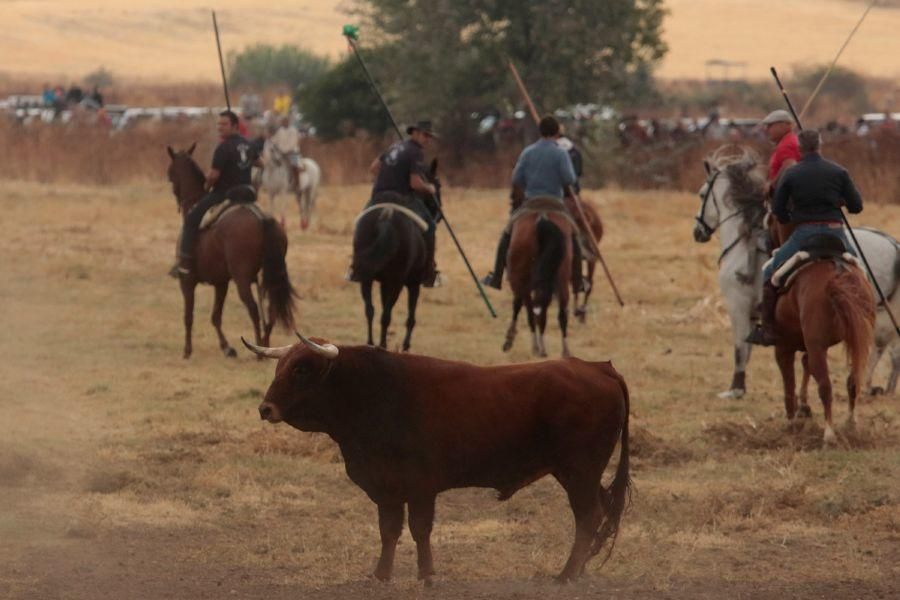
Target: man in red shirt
pixel 780 130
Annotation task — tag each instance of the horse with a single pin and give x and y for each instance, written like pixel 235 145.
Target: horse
pixel 276 180
pixel 590 257
pixel 539 264
pixel 826 303
pixel 732 203
pixel 236 247
pixel 389 247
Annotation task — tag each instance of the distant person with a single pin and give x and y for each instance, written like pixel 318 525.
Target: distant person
pixel 232 163
pixel 75 95
pixel 779 126
pixel 575 156
pixel 48 96
pixel 286 141
pixel 97 97
pixel 809 195
pixel 282 104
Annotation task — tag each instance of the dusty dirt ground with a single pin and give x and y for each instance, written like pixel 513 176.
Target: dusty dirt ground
pixel 127 472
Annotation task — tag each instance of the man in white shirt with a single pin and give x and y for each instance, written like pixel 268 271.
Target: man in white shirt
pixel 286 142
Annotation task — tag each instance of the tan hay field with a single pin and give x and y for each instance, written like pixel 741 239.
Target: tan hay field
pixel 172 41
pixel 126 472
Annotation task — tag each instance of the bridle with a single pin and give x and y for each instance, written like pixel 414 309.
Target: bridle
pixel 710 184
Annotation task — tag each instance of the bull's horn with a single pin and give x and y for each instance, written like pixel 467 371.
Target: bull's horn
pixel 329 351
pixel 267 352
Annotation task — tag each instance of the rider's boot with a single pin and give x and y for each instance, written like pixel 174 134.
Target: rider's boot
pixel 494 279
pixel 764 333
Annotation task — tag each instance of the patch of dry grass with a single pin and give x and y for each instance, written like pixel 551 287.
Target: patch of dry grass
pixel 115 451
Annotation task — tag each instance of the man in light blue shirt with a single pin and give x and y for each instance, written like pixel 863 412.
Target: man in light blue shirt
pixel 544 170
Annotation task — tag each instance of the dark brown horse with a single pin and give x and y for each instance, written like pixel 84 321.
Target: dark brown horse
pixel 539 264
pixel 236 247
pixel 389 247
pixel 827 303
pixel 596 227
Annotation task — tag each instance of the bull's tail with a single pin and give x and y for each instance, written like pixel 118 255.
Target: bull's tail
pixel 617 498
pixel 854 307
pixel 279 291
pixel 369 260
pixel 551 252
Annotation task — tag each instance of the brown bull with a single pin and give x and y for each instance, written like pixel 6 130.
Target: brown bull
pixel 410 427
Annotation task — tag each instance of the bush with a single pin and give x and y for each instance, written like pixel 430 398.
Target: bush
pixel 263 66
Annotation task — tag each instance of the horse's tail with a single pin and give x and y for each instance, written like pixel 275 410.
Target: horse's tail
pixel 370 258
pixel 854 306
pixel 275 281
pixel 551 252
pixel 616 498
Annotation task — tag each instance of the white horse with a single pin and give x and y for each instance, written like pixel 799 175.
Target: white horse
pixel 732 204
pixel 276 180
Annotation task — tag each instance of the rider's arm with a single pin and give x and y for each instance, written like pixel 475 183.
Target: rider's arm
pixel 418 184
pixel 851 195
pixel 780 201
pixel 211 178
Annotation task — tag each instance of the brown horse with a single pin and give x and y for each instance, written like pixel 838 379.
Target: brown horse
pixel 236 247
pixel 828 302
pixel 596 227
pixel 539 264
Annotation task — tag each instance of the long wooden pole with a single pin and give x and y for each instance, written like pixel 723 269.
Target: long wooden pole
pixel 578 206
pixel 221 62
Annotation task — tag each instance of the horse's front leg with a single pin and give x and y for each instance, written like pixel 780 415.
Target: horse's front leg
pixel 365 288
pixel 188 285
pixel 412 293
pixel 785 358
pixel 739 300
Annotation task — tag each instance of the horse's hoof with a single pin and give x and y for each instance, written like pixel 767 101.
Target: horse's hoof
pixel 876 391
pixel 732 394
pixel 829 438
pixel 186 355
pixel 230 352
pixel 507 346
pixel 804 411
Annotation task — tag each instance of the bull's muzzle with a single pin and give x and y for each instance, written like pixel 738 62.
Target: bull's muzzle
pixel 268 412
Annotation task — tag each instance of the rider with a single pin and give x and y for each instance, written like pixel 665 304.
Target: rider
pixel 780 131
pixel 231 165
pixel 544 170
pixel 809 195
pixel 286 140
pixel 401 170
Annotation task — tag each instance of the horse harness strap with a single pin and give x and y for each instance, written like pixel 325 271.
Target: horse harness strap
pixel 388 208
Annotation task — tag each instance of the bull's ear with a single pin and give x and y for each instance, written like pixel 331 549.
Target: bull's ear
pixel 434 167
pixel 707 167
pixel 190 150
pixel 171 152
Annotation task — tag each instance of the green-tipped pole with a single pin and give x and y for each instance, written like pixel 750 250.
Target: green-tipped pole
pixel 351 32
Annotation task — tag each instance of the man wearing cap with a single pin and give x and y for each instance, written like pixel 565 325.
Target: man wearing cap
pixel 809 195
pixel 544 170
pixel 401 170
pixel 780 130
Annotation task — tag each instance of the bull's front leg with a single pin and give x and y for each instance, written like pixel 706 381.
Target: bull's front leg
pixel 390 522
pixel 421 519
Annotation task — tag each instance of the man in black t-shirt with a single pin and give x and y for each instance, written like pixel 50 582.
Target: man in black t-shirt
pixel 231 166
pixel 401 170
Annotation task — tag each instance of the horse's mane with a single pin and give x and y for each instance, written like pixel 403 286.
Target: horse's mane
pixel 742 166
pixel 193 167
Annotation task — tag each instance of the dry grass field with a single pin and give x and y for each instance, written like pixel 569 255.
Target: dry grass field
pixel 127 472
pixel 68 38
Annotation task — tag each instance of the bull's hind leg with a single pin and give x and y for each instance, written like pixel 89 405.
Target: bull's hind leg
pixel 511 332
pixel 583 490
pixel 218 305
pixel 412 293
pixel 390 523
pixel 365 288
pixel 421 519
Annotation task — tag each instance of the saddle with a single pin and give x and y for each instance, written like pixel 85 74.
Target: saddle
pixel 240 196
pixel 818 247
pixel 389 202
pixel 541 206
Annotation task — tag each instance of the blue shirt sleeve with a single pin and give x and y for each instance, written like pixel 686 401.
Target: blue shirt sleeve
pixel 568 171
pixel 518 177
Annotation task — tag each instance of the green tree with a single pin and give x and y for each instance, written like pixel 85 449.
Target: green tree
pixel 340 102
pixel 448 57
pixel 263 66
pixel 844 92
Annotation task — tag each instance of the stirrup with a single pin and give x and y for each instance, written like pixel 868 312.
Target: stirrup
pixel 489 281
pixel 760 337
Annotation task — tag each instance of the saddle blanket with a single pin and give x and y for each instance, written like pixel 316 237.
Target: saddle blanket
pixel 388 209
pixel 787 273
pixel 218 211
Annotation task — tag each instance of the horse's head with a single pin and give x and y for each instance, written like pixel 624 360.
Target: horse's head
pixel 733 187
pixel 185 176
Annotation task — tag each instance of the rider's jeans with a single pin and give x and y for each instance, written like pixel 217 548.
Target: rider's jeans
pixel 803 232
pixel 194 217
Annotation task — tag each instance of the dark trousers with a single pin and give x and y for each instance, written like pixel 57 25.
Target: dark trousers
pixel 192 221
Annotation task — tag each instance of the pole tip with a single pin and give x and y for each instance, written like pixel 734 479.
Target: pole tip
pixel 351 32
